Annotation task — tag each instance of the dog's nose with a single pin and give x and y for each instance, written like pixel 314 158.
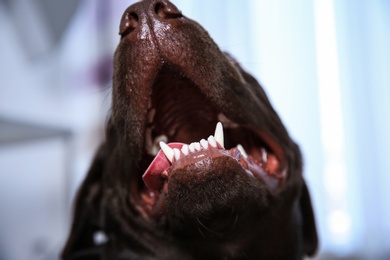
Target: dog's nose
pixel 166 10
pixel 133 17
pixel 129 22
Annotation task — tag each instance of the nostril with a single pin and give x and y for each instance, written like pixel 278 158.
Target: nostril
pixel 158 9
pixel 167 10
pixel 128 24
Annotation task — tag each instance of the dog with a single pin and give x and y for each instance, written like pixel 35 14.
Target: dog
pixel 196 164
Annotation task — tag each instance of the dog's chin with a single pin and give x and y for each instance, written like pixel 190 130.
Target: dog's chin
pixel 210 193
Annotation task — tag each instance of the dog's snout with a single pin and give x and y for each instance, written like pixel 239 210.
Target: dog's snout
pixel 167 10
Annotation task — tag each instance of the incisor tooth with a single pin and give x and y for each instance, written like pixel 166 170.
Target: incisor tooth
pixel 218 135
pixel 197 146
pixel 184 149
pixel 167 151
pixel 192 147
pixel 242 150
pixel 204 143
pixel 212 141
pixel 176 153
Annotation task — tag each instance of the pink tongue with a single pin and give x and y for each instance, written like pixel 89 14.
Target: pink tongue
pixel 153 175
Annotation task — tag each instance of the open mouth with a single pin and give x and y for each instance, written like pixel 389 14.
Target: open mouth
pixel 184 127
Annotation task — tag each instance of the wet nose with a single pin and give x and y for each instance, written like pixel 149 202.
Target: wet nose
pixel 166 10
pixel 162 10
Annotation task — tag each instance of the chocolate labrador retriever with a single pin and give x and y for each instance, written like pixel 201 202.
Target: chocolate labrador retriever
pixel 196 163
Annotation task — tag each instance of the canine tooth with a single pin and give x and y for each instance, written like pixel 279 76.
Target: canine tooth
pixel 204 143
pixel 192 147
pixel 218 135
pixel 184 149
pixel 168 151
pixel 176 153
pixel 212 141
pixel 197 146
pixel 242 151
pixel 264 155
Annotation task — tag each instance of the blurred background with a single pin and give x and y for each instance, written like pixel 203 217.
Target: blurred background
pixel 324 64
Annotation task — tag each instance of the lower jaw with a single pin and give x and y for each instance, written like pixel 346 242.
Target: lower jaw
pixel 153 202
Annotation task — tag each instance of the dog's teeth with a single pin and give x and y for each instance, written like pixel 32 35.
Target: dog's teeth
pixel 197 146
pixel 184 149
pixel 219 134
pixel 176 152
pixel 264 155
pixel 242 151
pixel 204 144
pixel 192 147
pixel 212 141
pixel 168 151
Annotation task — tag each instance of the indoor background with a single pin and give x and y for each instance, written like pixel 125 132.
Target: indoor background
pixel 324 64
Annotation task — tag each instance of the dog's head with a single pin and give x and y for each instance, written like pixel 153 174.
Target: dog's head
pixel 232 189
